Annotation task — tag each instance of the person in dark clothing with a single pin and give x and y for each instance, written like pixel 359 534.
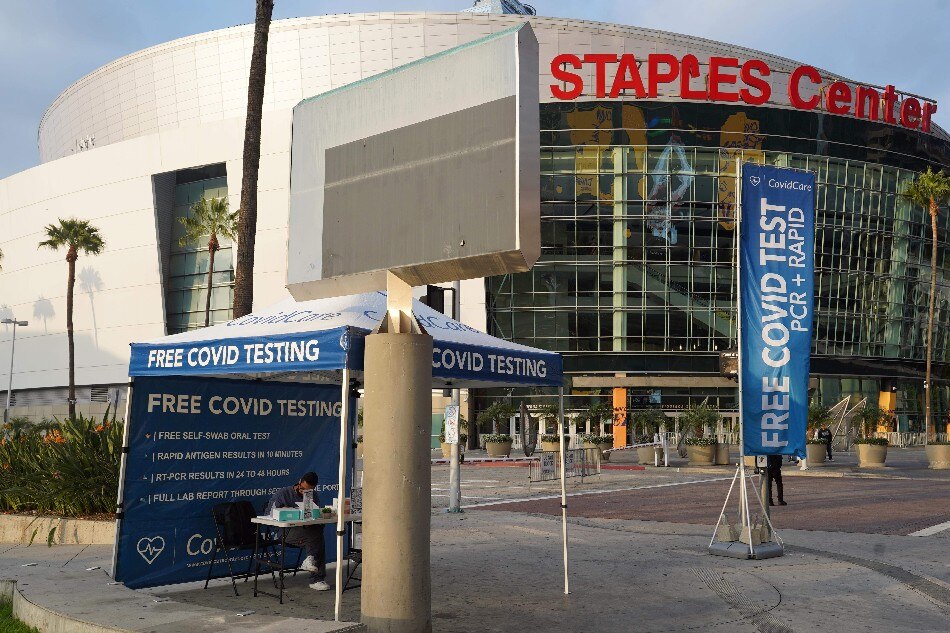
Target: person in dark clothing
pixel 773 473
pixel 824 434
pixel 309 537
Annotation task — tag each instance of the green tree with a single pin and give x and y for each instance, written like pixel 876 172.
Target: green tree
pixel 209 218
pixel 695 420
pixel 598 413
pixel 818 414
pixel 247 225
pixel 495 414
pixel 549 413
pixel 930 190
pixel 76 236
pixel 870 417
pixel 648 422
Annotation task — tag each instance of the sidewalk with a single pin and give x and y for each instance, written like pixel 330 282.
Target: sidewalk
pixel 498 568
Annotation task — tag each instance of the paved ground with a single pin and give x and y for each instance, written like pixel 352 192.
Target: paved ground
pixel 638 559
pixel 869 506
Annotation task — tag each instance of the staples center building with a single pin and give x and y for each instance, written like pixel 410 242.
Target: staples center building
pixel 641 132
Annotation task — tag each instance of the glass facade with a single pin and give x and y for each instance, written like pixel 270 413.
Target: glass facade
pixel 187 284
pixel 638 243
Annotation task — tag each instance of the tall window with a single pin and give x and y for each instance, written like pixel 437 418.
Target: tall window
pixel 186 287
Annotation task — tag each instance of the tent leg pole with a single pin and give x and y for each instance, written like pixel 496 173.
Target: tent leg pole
pixel 560 426
pixel 120 509
pixel 341 495
pixel 455 470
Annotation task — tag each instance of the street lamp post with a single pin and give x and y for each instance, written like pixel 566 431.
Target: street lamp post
pixel 14 323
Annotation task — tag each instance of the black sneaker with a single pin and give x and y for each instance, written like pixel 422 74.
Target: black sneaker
pixel 782 503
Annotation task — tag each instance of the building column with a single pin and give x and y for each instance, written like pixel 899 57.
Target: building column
pixel 620 417
pixel 620 287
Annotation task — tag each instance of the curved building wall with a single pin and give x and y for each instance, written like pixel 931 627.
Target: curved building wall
pixel 111 145
pixel 203 78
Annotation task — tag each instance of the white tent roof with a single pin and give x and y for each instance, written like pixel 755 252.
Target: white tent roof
pixel 312 340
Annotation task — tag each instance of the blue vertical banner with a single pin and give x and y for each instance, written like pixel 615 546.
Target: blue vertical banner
pixel 777 282
pixel 196 443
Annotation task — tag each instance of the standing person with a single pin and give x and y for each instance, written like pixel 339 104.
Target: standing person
pixel 309 537
pixel 773 472
pixel 824 434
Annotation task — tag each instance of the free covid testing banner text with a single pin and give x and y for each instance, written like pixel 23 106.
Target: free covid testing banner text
pixel 777 280
pixel 196 443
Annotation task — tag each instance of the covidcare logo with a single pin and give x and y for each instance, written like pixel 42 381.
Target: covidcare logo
pixel 150 547
pixel 790 185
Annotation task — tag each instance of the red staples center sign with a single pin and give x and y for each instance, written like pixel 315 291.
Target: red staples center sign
pixel 729 81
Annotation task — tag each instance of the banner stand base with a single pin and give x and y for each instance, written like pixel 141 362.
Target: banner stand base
pixel 750 538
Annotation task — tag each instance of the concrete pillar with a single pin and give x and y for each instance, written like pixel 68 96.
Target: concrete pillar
pixel 396 591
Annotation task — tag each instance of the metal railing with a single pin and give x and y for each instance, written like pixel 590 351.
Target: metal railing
pixel 905 439
pixel 579 462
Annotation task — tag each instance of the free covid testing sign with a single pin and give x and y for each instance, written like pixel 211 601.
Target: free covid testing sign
pixel 777 280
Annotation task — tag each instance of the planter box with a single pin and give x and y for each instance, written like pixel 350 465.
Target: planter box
pixel 939 456
pixel 871 455
pixel 600 447
pixel 815 454
pixel 447 450
pixel 359 450
pixel 701 455
pixel 722 454
pixel 554 447
pixel 18 528
pixel 645 454
pixel 498 449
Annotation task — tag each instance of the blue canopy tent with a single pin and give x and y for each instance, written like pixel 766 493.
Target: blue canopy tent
pixel 322 341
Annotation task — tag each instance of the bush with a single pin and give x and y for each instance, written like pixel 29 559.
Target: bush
pixel 814 441
pixel 701 441
pixel 876 441
pixel 68 468
pixel 550 438
pixel 598 439
pixel 497 437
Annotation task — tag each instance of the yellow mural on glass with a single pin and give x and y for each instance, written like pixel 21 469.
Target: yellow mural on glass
pixel 739 136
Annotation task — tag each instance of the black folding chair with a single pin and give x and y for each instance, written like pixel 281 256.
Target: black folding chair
pixel 236 533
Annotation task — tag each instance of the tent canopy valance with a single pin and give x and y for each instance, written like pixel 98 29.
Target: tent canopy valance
pixel 316 340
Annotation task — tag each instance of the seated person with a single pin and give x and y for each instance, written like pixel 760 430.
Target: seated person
pixel 309 537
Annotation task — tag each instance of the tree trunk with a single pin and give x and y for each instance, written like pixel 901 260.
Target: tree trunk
pixel 928 422
pixel 211 251
pixel 70 284
pixel 247 224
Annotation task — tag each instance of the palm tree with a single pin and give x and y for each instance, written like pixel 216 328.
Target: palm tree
pixel 247 225
pixel 75 235
pixel 930 190
pixel 211 218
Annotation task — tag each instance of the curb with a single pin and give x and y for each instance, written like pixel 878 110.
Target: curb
pixel 47 620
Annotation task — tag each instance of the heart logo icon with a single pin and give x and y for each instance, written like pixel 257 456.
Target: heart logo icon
pixel 755 180
pixel 150 548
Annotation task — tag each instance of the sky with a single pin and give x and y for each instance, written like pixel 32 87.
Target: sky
pixel 46 45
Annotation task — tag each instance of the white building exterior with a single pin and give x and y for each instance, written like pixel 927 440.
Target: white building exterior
pixel 181 105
